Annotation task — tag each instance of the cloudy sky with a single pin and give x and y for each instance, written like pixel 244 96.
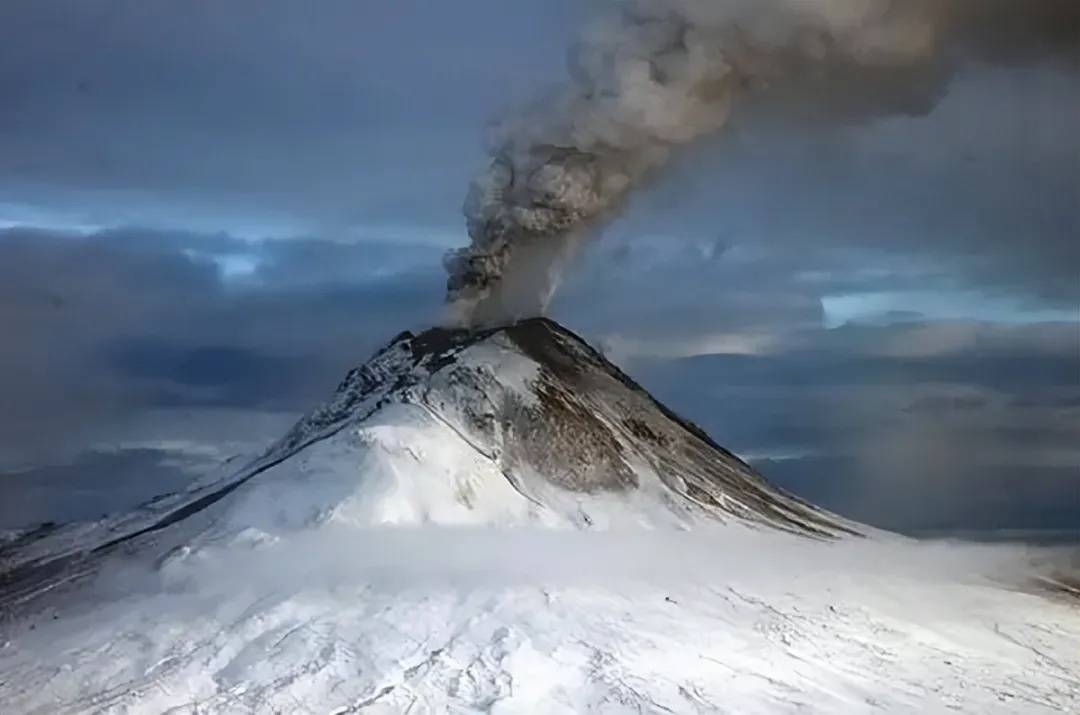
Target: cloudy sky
pixel 209 211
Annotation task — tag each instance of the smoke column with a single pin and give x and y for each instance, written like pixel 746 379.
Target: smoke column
pixel 654 75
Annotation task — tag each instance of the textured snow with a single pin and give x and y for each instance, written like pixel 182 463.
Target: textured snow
pixel 523 621
pixel 400 550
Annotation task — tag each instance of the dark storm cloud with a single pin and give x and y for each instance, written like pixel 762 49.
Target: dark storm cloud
pixel 987 32
pixel 298 263
pixel 332 114
pixel 930 498
pixel 125 320
pixel 983 193
pixel 212 375
pixel 1022 369
pixel 1016 30
pixel 1027 373
pixel 892 425
pixel 668 290
pixel 91 486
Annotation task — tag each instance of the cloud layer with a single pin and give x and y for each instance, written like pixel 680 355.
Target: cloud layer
pixel 97 326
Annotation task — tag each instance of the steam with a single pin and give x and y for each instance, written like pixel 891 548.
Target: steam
pixel 658 74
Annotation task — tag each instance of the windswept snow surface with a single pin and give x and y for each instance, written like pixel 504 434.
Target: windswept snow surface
pixel 504 523
pixel 436 619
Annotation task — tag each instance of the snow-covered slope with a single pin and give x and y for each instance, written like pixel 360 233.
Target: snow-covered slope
pixel 525 424
pixel 519 425
pixel 502 521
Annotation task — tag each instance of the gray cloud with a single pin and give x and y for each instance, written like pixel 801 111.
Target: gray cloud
pixel 126 320
pixel 92 485
pixel 980 435
pixel 1014 30
pixel 931 496
pixel 257 111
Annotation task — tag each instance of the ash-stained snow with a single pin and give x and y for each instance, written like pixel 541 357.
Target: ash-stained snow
pixel 503 522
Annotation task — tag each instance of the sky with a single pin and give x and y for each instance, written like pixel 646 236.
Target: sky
pixel 210 211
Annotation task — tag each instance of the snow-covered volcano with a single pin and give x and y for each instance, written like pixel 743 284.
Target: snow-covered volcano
pixel 502 521
pixel 516 425
pixel 520 425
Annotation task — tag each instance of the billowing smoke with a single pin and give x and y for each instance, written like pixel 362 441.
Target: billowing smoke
pixel 657 74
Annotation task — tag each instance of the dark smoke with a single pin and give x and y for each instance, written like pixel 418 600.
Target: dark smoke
pixel 657 74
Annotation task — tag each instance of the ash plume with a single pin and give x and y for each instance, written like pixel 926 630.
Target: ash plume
pixel 657 74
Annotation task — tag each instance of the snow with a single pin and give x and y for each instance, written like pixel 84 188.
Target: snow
pixel 396 552
pixel 525 620
pixel 402 467
pixel 498 358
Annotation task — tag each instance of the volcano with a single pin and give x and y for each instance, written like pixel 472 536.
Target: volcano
pixel 525 424
pixel 503 521
pixel 531 425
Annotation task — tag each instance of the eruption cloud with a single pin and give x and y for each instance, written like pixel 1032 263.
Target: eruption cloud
pixel 654 75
